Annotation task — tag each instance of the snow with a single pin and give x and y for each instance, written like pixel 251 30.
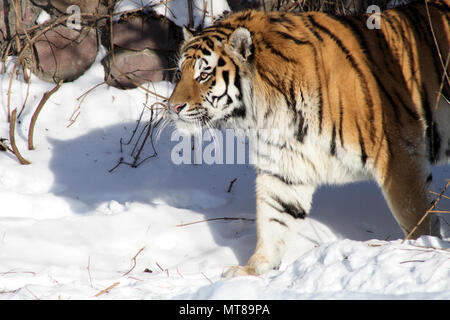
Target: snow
pixel 69 228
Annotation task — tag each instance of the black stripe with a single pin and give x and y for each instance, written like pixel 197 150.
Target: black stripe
pixel 225 75
pixel 214 31
pixel 302 130
pixel 206 52
pixel 226 26
pixel 362 146
pixel 441 6
pixel 341 119
pixel 408 49
pixel 431 133
pixel 276 52
pixel 313 31
pixel 237 80
pixel 286 181
pixel 429 178
pixel 409 111
pixel 389 97
pixel 239 112
pixel 287 36
pixel 266 78
pixel 278 221
pixel 244 16
pixel 416 21
pixel 351 59
pixel 333 141
pixel 295 211
pixel 195 45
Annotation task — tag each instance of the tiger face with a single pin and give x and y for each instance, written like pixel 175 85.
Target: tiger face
pixel 208 91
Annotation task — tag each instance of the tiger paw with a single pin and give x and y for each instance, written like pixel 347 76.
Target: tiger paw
pixel 238 271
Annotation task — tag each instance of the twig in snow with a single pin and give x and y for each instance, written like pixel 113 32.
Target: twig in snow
pixel 4 147
pixel 214 219
pixel 139 145
pixel 89 271
pixel 409 261
pixel 44 99
pixel 35 296
pixel 12 139
pixel 231 184
pixel 427 212
pixel 161 268
pixel 134 261
pixel 26 95
pixel 107 289
pixel 207 278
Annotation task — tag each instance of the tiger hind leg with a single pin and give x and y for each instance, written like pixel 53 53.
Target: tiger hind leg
pixel 406 187
pixel 279 207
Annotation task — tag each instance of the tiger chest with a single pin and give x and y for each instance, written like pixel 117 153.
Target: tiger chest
pixel 307 163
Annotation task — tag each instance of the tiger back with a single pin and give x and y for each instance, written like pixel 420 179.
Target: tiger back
pixel 337 101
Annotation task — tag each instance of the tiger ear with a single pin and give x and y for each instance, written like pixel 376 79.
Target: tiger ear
pixel 187 33
pixel 241 42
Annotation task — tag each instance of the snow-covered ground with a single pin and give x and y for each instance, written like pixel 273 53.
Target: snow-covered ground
pixel 69 228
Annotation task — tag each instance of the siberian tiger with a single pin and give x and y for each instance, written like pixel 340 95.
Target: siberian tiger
pixel 338 101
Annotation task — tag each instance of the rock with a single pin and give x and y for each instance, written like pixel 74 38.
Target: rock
pixel 28 16
pixel 139 66
pixel 144 45
pixel 58 7
pixel 63 54
pixel 239 5
pixel 147 32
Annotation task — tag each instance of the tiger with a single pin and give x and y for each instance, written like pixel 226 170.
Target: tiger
pixel 339 102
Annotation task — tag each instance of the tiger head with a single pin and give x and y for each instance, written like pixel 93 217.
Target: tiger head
pixel 209 85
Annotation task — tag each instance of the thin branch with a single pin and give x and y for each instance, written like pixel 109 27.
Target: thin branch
pixel 214 219
pixel 44 99
pixel 427 212
pixel 134 261
pixel 89 271
pixel 231 184
pixel 107 289
pixel 26 95
pixel 12 139
pixel 436 44
pixel 443 196
pixel 207 278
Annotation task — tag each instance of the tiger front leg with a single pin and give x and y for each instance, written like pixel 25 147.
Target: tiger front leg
pixel 279 207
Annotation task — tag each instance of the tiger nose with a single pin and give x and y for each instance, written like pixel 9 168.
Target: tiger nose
pixel 178 107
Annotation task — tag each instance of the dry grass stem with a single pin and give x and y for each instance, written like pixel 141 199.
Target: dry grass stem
pixel 134 261
pixel 427 212
pixel 44 99
pixel 207 278
pixel 12 139
pixel 231 184
pixel 89 271
pixel 107 289
pixel 443 196
pixel 215 219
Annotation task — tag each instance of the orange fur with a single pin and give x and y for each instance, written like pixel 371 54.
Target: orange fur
pixel 376 92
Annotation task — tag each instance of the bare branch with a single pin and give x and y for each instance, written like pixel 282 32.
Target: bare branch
pixel 12 128
pixel 44 99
